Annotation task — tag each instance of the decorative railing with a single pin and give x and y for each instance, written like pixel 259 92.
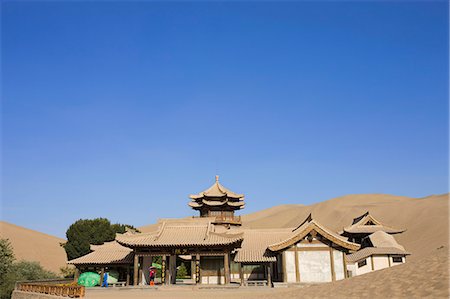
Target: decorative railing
pixel 52 288
pixel 228 219
pixel 223 219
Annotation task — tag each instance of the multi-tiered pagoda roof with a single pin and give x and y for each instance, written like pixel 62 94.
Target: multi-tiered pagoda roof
pixel 217 196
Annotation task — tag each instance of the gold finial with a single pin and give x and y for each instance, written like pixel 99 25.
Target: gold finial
pixel 217 178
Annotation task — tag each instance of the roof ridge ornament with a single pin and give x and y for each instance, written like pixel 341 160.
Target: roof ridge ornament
pixel 217 178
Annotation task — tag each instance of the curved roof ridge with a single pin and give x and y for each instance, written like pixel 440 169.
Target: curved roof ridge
pixel 306 227
pixel 360 224
pixel 161 230
pixel 216 190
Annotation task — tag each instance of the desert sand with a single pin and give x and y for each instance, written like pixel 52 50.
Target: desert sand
pixel 32 245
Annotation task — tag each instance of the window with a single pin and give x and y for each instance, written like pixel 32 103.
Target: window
pixel 362 263
pixel 397 259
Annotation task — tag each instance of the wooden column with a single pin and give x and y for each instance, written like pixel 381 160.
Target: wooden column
pixel 345 265
pixel 226 263
pixel 283 261
pixel 169 270
pixel 389 260
pixel 141 261
pixel 197 268
pixel 76 275
pixel 269 275
pixel 297 266
pixel 241 274
pixel 172 269
pixel 163 270
pixel 102 274
pixel 136 269
pixel 128 275
pixel 333 273
pixel 371 261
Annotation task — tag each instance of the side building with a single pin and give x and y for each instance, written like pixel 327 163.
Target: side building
pixel 379 249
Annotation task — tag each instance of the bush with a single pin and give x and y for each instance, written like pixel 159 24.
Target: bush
pixel 20 271
pixel 67 272
pixel 181 271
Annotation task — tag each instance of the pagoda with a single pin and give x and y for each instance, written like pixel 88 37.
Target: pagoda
pixel 218 202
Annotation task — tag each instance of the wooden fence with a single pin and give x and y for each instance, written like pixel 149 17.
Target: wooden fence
pixel 63 290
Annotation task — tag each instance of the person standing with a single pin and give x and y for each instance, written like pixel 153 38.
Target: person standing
pixel 152 275
pixel 105 280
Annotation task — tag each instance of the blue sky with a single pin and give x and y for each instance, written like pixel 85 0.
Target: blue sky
pixel 122 109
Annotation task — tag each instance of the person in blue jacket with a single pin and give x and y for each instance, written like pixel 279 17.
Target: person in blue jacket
pixel 105 280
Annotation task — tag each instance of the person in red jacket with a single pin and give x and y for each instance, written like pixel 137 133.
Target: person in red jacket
pixel 152 275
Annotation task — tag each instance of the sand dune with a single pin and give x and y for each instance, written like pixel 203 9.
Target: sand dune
pixel 32 245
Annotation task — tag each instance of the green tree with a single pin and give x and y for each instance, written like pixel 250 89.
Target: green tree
pixel 181 271
pixel 6 266
pixel 84 232
pixel 6 258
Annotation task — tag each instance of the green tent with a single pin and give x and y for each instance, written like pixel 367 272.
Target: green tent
pixel 113 276
pixel 89 279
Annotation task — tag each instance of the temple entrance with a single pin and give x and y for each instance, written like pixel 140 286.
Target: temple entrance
pixel 146 264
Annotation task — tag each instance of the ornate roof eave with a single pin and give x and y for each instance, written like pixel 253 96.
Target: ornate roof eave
pixel 303 230
pixel 199 205
pixel 359 223
pixel 216 191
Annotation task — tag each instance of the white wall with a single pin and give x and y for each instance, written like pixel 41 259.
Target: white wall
pixel 213 280
pixel 315 266
pixel 338 257
pixel 290 266
pixel 380 262
pixel 365 269
pixel 351 267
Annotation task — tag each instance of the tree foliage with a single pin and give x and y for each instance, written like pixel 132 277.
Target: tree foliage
pixel 122 228
pixel 84 232
pixel 67 272
pixel 17 271
pixel 6 258
pixel 182 271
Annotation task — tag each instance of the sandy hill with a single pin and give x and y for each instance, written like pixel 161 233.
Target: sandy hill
pixel 32 245
pixel 426 219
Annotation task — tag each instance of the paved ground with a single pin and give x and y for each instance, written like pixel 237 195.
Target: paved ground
pixel 426 278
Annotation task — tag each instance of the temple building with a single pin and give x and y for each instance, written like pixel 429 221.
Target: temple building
pixel 379 249
pixel 215 248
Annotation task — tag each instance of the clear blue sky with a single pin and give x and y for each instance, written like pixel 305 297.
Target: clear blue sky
pixel 121 110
